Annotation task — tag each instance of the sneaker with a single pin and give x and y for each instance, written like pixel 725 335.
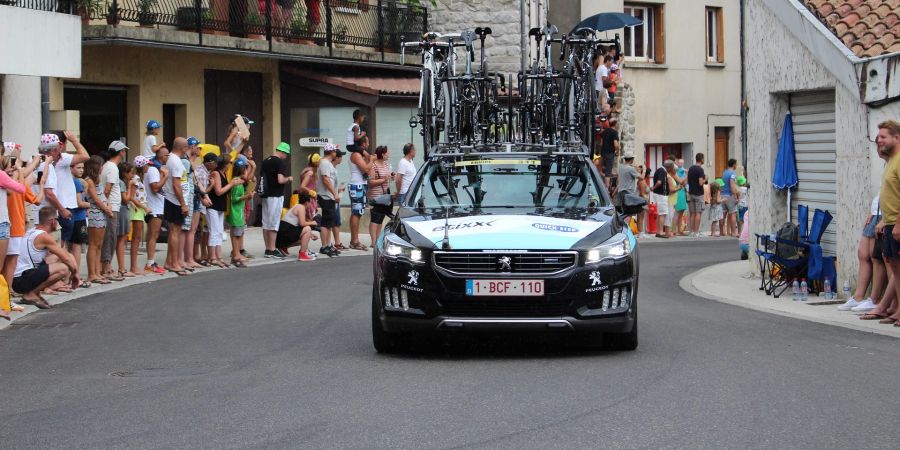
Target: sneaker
pixel 849 304
pixel 330 251
pixel 273 254
pixel 305 256
pixel 246 254
pixel 284 252
pixel 154 268
pixel 865 306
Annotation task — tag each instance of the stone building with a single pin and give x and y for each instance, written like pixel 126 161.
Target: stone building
pixel 834 65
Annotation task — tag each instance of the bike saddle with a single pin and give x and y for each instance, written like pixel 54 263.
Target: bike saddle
pixel 431 35
pixel 534 32
pixel 468 37
pixel 550 30
pixel 482 32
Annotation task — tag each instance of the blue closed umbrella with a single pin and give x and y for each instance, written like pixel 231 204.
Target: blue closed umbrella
pixel 608 21
pixel 785 176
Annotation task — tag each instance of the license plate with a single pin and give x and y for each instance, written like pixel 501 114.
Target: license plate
pixel 503 288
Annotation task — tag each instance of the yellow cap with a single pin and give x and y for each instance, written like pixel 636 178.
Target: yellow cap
pixel 312 193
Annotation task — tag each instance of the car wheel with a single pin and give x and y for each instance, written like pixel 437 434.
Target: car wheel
pixel 383 341
pixel 622 341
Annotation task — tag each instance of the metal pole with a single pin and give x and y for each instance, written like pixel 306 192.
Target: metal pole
pixel 524 34
pixel 269 23
pixel 328 30
pixel 198 12
pixel 381 29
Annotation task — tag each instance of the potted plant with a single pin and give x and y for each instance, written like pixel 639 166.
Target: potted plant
pixel 86 8
pixel 299 30
pixel 253 24
pixel 340 35
pixel 112 14
pixel 146 17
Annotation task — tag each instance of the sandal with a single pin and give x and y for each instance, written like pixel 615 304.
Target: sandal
pixel 203 263
pixel 180 273
pixel 886 321
pixel 239 264
pixel 127 274
pixel 100 281
pixel 358 246
pixel 340 247
pixel 872 316
pixel 84 285
pixel 14 307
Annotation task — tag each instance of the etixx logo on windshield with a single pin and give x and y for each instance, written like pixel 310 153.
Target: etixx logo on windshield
pixel 552 227
pixel 460 226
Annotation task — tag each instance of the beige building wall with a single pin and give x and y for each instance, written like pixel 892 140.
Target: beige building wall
pixel 683 99
pixel 155 77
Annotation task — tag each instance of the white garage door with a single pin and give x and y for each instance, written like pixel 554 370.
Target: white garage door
pixel 814 141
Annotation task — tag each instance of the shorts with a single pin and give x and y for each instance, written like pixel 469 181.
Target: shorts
pixel 79 233
pixel 66 227
pixel 608 160
pixel 729 205
pixel 358 199
pixel 696 203
pixel 869 230
pixel 741 211
pixel 138 214
pixel 15 246
pixel 328 212
pixel 188 220
pixel 890 246
pixel 288 235
pixel 31 279
pixel 4 230
pixel 237 231
pixel 110 238
pixel 271 212
pixel 172 214
pixel 662 203
pixel 377 217
pixel 124 225
pixel 149 217
pixel 337 214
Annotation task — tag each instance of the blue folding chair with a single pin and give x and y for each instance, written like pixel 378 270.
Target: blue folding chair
pixel 820 266
pixel 783 260
pixel 803 221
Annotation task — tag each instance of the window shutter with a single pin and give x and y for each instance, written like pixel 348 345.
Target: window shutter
pixel 659 35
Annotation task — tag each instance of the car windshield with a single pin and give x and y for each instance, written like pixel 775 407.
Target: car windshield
pixel 542 182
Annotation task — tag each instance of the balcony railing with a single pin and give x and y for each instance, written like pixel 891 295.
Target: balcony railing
pixel 381 24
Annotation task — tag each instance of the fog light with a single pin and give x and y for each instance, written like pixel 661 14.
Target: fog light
pixel 615 298
pixel 404 301
pixel 387 297
pixel 395 298
pixel 605 300
pixel 626 297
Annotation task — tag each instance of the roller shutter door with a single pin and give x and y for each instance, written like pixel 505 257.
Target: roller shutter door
pixel 816 150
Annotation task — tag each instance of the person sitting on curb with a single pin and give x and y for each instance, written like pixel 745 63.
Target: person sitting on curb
pixel 35 269
pixel 296 228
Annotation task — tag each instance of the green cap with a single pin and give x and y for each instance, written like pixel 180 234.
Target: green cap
pixel 741 180
pixel 720 182
pixel 284 147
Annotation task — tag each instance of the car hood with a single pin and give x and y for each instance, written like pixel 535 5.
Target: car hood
pixel 503 232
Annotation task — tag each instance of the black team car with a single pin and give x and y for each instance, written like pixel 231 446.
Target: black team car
pixel 518 238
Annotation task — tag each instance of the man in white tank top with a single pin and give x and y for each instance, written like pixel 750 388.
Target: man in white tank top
pixel 42 262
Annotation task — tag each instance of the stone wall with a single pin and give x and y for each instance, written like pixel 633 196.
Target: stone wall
pixel 769 80
pixel 502 16
pixel 627 119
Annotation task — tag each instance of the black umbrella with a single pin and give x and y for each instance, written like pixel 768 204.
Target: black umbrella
pixel 608 21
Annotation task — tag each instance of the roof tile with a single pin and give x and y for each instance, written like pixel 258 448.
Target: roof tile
pixel 866 27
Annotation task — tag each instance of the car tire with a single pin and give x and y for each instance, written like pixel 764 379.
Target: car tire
pixel 622 341
pixel 383 341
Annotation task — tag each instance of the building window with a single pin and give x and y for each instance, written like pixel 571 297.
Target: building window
pixel 715 49
pixel 645 42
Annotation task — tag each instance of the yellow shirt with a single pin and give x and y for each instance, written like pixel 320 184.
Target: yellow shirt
pixel 890 191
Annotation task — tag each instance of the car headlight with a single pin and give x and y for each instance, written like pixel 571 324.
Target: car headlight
pixel 617 247
pixel 396 248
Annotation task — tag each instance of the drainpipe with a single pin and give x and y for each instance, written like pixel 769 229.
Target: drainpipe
pixel 45 104
pixel 743 93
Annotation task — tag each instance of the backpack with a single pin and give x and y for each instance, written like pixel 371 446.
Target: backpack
pixel 791 232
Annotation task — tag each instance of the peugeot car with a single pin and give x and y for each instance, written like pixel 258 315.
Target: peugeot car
pixel 525 241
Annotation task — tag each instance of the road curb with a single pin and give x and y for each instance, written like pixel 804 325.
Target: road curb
pixel 146 279
pixel 687 284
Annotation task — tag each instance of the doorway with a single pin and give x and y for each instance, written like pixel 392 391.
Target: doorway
pixel 102 110
pixel 723 136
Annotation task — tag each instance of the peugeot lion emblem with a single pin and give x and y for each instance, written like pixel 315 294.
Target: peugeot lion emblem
pixel 595 278
pixel 505 263
pixel 413 277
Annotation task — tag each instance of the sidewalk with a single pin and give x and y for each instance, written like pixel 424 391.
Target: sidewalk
pixel 730 283
pixel 253 243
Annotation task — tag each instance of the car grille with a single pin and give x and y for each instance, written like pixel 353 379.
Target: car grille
pixel 488 263
pixel 504 307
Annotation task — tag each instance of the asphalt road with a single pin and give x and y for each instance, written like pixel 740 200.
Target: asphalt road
pixel 276 357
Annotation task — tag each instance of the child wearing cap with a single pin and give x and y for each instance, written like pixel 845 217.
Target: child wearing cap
pixel 150 144
pixel 139 209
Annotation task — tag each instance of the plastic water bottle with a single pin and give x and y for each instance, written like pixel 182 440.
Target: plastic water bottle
pixel 827 288
pixel 795 290
pixel 846 289
pixel 804 291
